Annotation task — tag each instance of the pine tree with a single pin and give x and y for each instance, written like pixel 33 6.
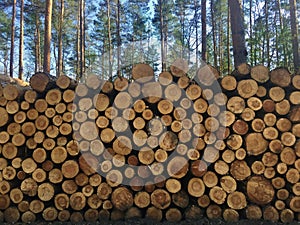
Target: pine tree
pixel 238 33
pixel 12 39
pixel 294 31
pixel 21 41
pixel 47 39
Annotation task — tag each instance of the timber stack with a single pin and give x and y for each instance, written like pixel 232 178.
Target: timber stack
pixel 169 148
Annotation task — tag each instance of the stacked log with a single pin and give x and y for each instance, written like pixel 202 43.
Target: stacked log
pixel 170 148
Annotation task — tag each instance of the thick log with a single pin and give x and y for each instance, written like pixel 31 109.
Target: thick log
pixel 271 213
pixel 160 198
pixel 154 214
pixel 253 212
pixel 142 73
pixel 280 77
pixel 173 215
pixel 229 83
pixel 247 88
pixel 240 170
pixel 122 198
pixel 214 211
pixel 236 104
pixel 260 73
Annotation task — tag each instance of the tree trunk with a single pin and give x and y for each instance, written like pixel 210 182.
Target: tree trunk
pixel 37 41
pixel 281 29
pixel 213 22
pixel 21 45
pixel 228 41
pixel 294 30
pixel 82 37
pixel 60 39
pixel 203 24
pixel 238 33
pixel 267 33
pixel 78 46
pixel 12 39
pixel 47 39
pixel 109 40
pixel 118 38
pixel 251 36
pixel 162 28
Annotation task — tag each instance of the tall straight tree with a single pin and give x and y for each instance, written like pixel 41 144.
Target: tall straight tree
pixel 47 39
pixel 60 38
pixel 267 33
pixel 109 37
pixel 21 44
pixel 294 30
pixel 238 32
pixel 163 22
pixel 37 44
pixel 213 22
pixel 12 39
pixel 203 34
pixel 82 36
pixel 118 22
pixel 163 36
pixel 228 40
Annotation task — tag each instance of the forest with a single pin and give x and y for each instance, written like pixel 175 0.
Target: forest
pixel 107 37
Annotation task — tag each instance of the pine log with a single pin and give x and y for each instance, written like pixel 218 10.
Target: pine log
pixel 45 191
pixel 142 73
pixel 64 82
pixel 214 211
pixel 217 195
pixel 53 96
pixel 256 144
pixel 11 92
pixel 277 94
pixel 236 105
pixel 253 212
pixel 179 67
pixel 231 215
pixel 165 78
pixel 4 117
pixel 76 217
pixel 260 73
pixel 229 83
pixel 70 168
pixel 64 215
pixel 77 201
pixel 68 96
pixel 154 214
pixel 16 162
pixel 283 107
pixel 271 213
pixel 247 88
pixel 254 103
pixel 134 89
pixel 281 77
pixel 269 105
pixel 11 215
pixel 122 198
pixel 160 198
pixel 183 82
pixel 41 105
pixel 47 165
pixel 240 170
pixel 39 175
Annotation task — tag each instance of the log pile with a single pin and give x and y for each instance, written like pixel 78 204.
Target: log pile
pixel 170 148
